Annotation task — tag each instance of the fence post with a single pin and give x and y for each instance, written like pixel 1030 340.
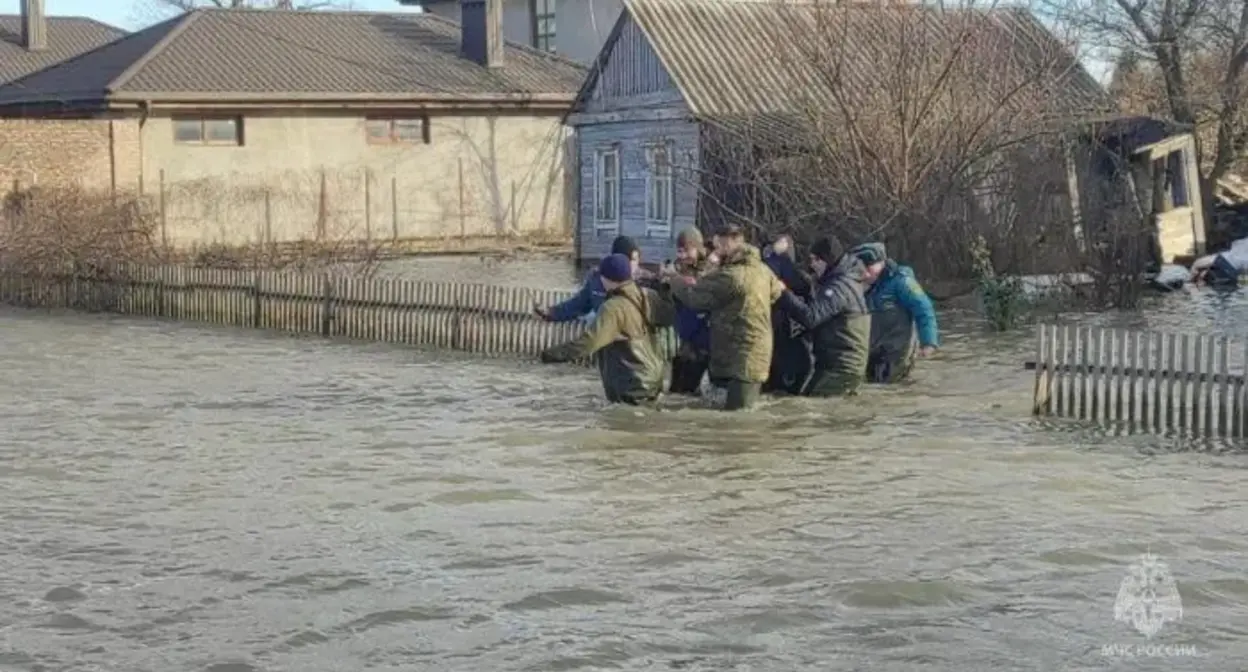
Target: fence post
pixel 321 207
pixel 327 304
pixel 255 300
pixel 394 207
pixel 268 218
pixel 164 227
pixel 463 220
pixel 1040 395
pixel 368 206
pixel 161 275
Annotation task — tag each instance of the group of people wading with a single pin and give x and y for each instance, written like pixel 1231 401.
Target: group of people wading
pixel 751 321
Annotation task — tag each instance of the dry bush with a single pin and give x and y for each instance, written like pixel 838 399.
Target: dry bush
pixel 304 221
pixel 64 229
pixel 923 127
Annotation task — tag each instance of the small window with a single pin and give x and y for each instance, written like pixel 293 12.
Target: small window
pixel 607 191
pixel 543 24
pixel 408 131
pixel 660 190
pixel 208 131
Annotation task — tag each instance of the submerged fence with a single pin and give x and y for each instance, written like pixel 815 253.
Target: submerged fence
pixel 482 319
pixel 1158 382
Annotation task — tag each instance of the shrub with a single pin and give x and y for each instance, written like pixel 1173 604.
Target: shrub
pixel 1005 301
pixel 63 229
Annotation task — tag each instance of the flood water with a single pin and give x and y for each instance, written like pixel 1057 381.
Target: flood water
pixel 179 498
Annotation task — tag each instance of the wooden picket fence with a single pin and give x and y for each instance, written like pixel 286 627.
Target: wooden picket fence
pixel 492 320
pixel 1185 384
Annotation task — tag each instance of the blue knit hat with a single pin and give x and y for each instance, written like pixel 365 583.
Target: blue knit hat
pixel 616 268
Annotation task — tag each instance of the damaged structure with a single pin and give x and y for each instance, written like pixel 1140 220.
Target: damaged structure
pixel 691 106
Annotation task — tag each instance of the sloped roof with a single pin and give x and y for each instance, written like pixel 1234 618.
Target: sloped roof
pixel 268 55
pixel 752 59
pixel 68 36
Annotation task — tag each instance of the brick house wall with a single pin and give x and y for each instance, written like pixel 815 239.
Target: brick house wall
pixel 94 153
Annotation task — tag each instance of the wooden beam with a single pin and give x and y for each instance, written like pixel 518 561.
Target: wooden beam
pixel 1164 147
pixel 623 116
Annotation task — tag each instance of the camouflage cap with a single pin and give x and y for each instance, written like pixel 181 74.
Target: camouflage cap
pixel 870 253
pixel 690 237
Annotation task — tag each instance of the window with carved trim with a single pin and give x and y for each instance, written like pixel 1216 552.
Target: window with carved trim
pixel 607 191
pixel 660 190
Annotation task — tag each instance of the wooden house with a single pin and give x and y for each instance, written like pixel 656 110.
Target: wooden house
pixel 677 77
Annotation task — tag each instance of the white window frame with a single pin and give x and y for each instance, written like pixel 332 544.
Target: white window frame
pixel 660 214
pixel 607 223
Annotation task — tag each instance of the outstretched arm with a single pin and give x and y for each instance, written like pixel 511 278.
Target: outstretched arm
pixel 580 304
pixel 911 296
pixel 823 305
pixel 603 332
pixel 708 293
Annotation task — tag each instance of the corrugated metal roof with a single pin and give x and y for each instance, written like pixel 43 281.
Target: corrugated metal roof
pixel 67 37
pixel 268 55
pixel 745 59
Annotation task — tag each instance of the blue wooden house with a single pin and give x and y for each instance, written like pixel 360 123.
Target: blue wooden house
pixel 675 77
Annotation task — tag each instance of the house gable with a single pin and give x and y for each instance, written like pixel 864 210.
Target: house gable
pixel 628 74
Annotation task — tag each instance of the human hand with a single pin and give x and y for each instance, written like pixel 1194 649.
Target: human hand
pixel 674 278
pixel 542 312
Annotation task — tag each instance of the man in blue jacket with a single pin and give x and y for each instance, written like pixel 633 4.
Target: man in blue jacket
pixel 585 303
pixel 899 309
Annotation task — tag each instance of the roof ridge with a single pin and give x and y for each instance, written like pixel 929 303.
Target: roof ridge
pixel 304 11
pixel 139 63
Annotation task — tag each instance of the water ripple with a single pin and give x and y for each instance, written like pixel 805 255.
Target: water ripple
pixel 178 498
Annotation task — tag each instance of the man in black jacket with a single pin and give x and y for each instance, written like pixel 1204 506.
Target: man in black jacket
pixel 837 319
pixel 790 359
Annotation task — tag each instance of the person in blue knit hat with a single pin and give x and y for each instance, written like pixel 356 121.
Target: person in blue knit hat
pixel 630 362
pixel 585 304
pixel 900 311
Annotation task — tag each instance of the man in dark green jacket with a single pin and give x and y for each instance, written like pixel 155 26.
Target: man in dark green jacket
pixel 738 295
pixel 837 319
pixel 630 363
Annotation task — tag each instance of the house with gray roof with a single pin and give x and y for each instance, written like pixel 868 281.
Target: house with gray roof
pixel 30 42
pixel 683 88
pixel 254 125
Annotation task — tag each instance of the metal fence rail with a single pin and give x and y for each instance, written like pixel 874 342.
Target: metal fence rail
pixel 1159 382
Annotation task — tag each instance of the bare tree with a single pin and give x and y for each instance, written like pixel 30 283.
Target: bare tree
pixel 1195 52
pixel 923 127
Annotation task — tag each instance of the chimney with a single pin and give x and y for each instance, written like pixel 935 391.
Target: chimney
pixel 34 26
pixel 482 30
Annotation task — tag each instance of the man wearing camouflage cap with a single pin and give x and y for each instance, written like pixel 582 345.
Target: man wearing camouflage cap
pixel 900 310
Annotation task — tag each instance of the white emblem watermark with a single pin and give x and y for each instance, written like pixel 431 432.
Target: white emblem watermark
pixel 1148 599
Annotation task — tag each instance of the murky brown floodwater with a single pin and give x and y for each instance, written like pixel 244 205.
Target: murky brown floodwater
pixel 181 498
